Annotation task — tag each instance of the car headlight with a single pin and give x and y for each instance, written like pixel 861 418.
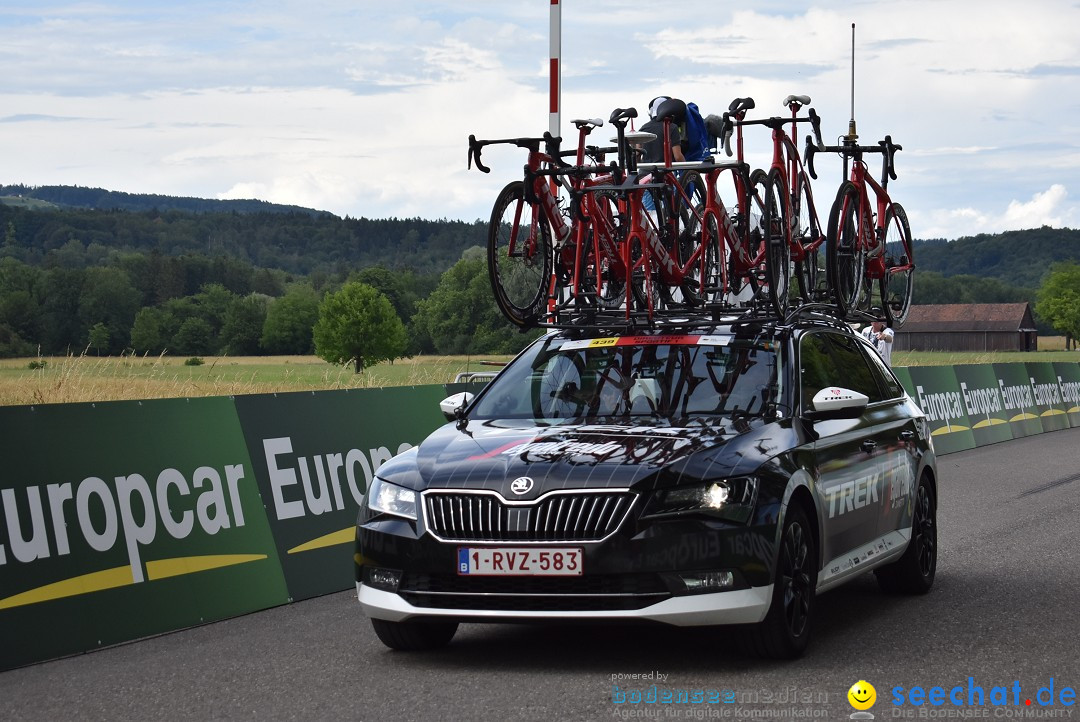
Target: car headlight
pixel 730 499
pixel 388 498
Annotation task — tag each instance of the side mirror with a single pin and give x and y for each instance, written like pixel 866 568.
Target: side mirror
pixel 453 406
pixel 835 402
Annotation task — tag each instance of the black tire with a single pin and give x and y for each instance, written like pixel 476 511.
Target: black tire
pixel 914 572
pixel 414 636
pixel 846 257
pixel 752 221
pixel 705 278
pixel 603 280
pixel 777 250
pixel 804 231
pixel 520 276
pixel 896 286
pixel 693 186
pixel 785 631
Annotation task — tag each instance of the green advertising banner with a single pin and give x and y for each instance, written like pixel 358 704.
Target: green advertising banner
pixel 1053 413
pixel 314 455
pixel 1018 399
pixel 1068 378
pixel 126 519
pixel 984 404
pixel 937 392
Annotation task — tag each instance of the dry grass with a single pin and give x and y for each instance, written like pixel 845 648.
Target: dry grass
pixel 82 378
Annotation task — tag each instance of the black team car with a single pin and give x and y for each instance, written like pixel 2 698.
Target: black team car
pixel 723 475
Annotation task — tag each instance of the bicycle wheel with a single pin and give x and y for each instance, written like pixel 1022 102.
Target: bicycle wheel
pixel 846 256
pixel 557 394
pixel 693 185
pixel 808 271
pixel 744 276
pixel 519 256
pixel 602 278
pixel 702 279
pixel 777 250
pixel 896 284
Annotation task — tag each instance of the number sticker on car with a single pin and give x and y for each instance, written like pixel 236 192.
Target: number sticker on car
pixel 520 561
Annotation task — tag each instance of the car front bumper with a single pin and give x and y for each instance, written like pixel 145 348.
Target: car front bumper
pixel 740 606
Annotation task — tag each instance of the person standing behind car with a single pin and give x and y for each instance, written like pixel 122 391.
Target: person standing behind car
pixel 881 336
pixel 653 151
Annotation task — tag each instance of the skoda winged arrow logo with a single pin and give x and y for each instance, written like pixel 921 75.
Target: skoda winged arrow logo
pixel 521 485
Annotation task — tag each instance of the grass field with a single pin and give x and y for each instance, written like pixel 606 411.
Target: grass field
pixel 89 378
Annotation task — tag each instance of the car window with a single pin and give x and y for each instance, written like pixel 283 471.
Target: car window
pixel 605 378
pixel 830 359
pixel 890 387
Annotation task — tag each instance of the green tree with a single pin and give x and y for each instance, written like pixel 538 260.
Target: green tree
pixel 243 325
pixel 358 324
pixel 150 333
pixel 98 336
pixel 108 298
pixel 289 320
pixel 195 337
pixel 1059 299
pixel 460 315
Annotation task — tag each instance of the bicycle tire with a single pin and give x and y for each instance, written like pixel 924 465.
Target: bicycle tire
pixel 519 277
pixel 602 278
pixel 808 271
pixel 896 287
pixel 777 250
pixel 846 257
pixel 751 223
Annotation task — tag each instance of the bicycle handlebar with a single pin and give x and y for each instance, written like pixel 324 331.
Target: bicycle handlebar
pixel 886 147
pixel 551 146
pixel 737 109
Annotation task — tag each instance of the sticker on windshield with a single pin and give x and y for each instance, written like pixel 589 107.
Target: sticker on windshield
pixel 672 340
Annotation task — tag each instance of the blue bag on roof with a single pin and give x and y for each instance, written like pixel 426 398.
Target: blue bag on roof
pixel 697 137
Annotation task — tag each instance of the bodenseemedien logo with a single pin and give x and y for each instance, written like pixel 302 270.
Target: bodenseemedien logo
pixel 862 696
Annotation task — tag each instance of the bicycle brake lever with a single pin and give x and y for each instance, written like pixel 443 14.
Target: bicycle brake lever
pixel 815 122
pixel 727 128
pixel 811 149
pixel 474 154
pixel 890 150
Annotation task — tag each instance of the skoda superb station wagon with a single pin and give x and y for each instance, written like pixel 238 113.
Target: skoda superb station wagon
pixel 703 476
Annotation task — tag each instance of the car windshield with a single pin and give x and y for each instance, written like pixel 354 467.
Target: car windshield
pixel 670 377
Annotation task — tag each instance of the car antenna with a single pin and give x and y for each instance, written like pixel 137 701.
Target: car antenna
pixel 852 136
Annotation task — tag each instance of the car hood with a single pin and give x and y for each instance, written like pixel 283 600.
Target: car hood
pixel 491 454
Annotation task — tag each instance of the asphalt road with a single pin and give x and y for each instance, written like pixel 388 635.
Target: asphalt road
pixel 1004 610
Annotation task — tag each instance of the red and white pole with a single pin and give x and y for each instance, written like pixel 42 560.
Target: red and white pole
pixel 554 104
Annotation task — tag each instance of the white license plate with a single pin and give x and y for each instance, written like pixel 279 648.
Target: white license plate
pixel 520 561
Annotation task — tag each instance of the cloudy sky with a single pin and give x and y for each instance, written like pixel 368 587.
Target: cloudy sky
pixel 364 108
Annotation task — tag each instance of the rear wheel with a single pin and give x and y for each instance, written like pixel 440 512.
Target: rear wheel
pixel 914 572
pixel 414 636
pixel 519 256
pixel 785 631
pixel 777 250
pixel 846 256
pixel 896 284
pixel 808 271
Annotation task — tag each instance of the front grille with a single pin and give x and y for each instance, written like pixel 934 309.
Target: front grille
pixel 534 594
pixel 562 516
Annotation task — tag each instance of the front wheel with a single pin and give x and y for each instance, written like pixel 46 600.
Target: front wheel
pixel 897 283
pixel 519 256
pixel 785 631
pixel 846 256
pixel 414 636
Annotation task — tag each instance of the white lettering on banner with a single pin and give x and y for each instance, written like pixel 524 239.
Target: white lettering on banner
pixel 942 406
pixel 1016 397
pixel 1070 391
pixel 127 513
pixel 1045 394
pixel 980 402
pixel 319 489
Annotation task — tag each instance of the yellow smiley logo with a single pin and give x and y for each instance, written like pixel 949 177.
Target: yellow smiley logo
pixel 862 695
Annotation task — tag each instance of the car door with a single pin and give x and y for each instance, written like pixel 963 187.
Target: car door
pixel 846 452
pixel 898 450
